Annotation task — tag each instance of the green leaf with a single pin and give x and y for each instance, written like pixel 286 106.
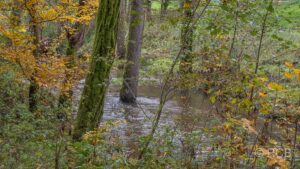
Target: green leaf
pixel 212 99
pixel 270 8
pixel 253 32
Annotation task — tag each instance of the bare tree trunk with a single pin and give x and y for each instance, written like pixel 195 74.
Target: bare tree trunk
pixel 163 8
pixel 92 99
pixel 128 92
pixel 235 29
pixel 148 10
pixel 121 47
pixel 129 2
pixel 262 34
pixel 253 115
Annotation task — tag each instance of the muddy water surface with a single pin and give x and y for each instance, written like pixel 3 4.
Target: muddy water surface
pixel 178 111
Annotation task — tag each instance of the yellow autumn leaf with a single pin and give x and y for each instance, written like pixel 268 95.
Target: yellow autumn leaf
pixel 296 71
pixel 288 75
pixel 274 159
pixel 288 64
pixel 187 5
pixel 275 86
pixel 262 94
pixel 220 36
pixel 272 141
pixel 22 29
pixel 263 79
pixel 278 161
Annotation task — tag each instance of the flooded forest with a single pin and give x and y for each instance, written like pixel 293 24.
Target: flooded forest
pixel 149 84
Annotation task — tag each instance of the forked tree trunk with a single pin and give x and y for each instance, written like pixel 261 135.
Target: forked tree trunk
pixel 92 99
pixel 128 92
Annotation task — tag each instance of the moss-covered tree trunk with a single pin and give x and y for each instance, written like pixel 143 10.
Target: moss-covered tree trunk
pixel 36 32
pixel 128 92
pixel 187 39
pixel 92 99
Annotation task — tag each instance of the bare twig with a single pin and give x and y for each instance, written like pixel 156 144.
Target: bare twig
pixel 262 34
pixel 235 28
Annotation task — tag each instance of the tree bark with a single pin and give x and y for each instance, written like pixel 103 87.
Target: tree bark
pixel 121 47
pixel 128 92
pixel 148 10
pixel 92 99
pixel 128 9
pixel 36 32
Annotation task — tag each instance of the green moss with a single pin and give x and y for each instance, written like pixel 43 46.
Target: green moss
pixel 92 100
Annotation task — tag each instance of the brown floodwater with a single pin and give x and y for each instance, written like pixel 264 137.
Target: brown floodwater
pixel 185 113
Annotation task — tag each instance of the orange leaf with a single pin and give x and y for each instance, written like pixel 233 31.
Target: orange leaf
pixel 288 64
pixel 262 94
pixel 288 75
